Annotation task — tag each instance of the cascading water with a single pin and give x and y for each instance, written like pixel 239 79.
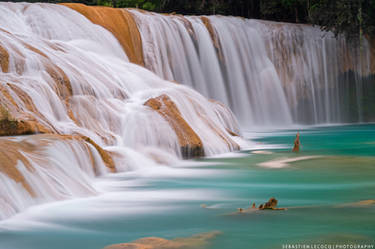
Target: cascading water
pixel 268 73
pixel 45 168
pixel 312 65
pixel 64 75
pixel 240 75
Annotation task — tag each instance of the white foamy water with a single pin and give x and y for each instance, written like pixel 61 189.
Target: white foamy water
pixel 73 77
pixel 270 74
pixel 285 161
pixel 61 170
pixel 93 91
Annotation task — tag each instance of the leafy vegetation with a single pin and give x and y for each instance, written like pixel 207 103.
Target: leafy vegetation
pixel 354 18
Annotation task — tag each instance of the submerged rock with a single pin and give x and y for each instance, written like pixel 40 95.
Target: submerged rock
pixel 363 203
pixel 195 241
pixel 271 204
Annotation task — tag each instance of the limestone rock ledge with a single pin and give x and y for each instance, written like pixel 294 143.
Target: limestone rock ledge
pixel 12 150
pixel 48 167
pixel 195 241
pixel 190 142
pixel 10 126
pixel 120 23
pixel 4 59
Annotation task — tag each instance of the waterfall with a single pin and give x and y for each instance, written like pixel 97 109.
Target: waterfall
pixel 45 168
pixel 313 66
pixel 63 75
pixel 270 74
pixel 112 91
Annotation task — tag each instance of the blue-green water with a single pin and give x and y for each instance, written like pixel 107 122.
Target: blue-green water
pixel 319 194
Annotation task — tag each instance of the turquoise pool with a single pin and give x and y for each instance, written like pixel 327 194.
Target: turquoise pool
pixel 320 187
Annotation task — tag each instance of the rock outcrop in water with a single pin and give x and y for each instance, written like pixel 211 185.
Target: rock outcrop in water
pixel 270 204
pixel 191 144
pixel 193 242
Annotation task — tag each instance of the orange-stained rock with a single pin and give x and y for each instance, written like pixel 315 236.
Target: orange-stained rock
pixel 105 155
pixel 64 88
pixel 34 49
pixel 10 154
pixel 13 151
pixel 13 121
pixel 195 241
pixel 120 23
pixel 213 36
pixel 271 203
pixel 297 143
pixel 190 142
pixel 363 203
pixel 232 133
pixel 62 82
pixel 188 25
pixel 9 127
pixel 18 121
pixel 4 59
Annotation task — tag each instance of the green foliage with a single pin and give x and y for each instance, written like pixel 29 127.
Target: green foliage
pixel 353 18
